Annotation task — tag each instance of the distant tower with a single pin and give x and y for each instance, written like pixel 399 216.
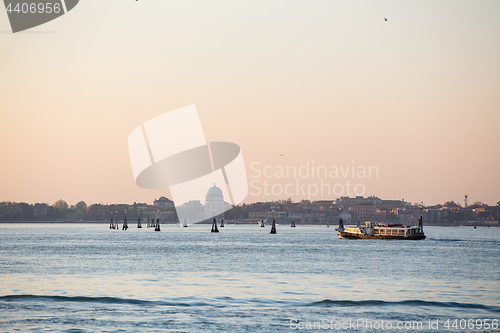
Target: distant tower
pixel 465 201
pixel 214 202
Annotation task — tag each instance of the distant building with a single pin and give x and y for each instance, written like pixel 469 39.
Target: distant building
pixel 275 215
pixel 404 215
pixel 153 212
pixel 392 204
pixel 325 204
pixel 489 217
pixel 40 211
pixel 164 203
pixel 139 206
pixel 328 206
pixel 364 211
pixel 257 215
pixel 313 216
pixel 98 211
pixel 382 213
pixel 295 214
pixel 358 200
pixel 433 215
pixel 271 215
pixel 192 210
pixel 214 202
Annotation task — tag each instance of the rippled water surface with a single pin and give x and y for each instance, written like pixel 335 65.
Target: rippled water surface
pixel 88 278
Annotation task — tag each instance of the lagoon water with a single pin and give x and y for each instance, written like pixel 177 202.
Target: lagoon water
pixel 88 278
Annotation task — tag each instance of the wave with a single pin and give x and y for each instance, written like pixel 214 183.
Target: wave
pixel 333 303
pixel 217 301
pixel 105 300
pixel 231 302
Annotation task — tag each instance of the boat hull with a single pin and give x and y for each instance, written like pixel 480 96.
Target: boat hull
pixel 349 235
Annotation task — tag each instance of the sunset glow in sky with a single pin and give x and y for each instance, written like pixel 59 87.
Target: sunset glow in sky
pixel 417 96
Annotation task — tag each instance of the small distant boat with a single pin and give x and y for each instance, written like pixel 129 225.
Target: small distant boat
pixel 184 223
pixel 373 230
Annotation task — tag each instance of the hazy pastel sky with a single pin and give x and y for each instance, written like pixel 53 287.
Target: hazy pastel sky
pixel 417 96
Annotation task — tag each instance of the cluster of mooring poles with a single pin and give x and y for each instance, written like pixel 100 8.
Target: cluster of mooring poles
pixel 214 225
pixel 113 224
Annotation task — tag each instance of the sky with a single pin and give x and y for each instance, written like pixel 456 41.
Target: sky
pixel 293 83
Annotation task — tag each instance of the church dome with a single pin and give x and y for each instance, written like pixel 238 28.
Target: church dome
pixel 215 191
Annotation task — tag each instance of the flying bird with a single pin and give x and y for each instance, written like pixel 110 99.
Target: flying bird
pixel 385 19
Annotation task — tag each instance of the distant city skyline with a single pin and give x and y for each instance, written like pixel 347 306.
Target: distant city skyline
pixel 291 83
pixel 322 211
pixel 153 202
